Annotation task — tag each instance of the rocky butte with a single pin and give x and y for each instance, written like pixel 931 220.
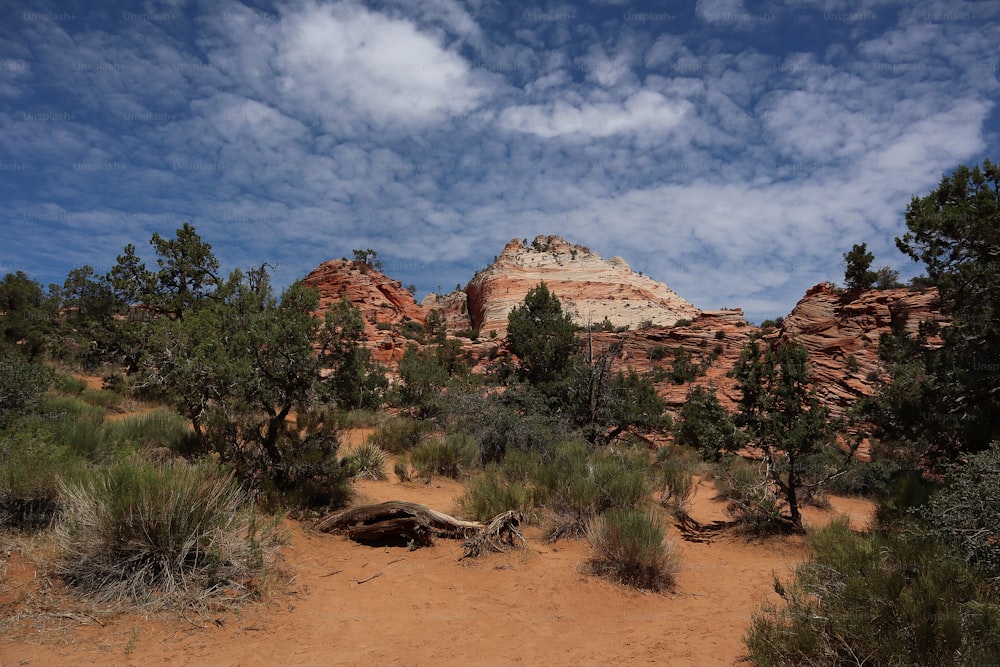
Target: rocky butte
pixel 589 287
pixel 840 330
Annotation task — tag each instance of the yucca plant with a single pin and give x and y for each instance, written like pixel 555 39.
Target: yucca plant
pixel 367 461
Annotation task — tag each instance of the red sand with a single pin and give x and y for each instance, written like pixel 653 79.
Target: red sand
pixel 426 607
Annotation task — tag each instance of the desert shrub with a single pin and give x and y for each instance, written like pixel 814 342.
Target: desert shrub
pixel 366 461
pixel 490 494
pixel 31 465
pixel 507 423
pixel 137 533
pixel 101 398
pixel 753 503
pixel 630 548
pixel 705 425
pixel 449 456
pixel 69 384
pixel 521 465
pixel 720 335
pixel 22 382
pixel 966 512
pixel 672 479
pixel 577 485
pixel 683 322
pixel 402 470
pixel 363 418
pixel 658 352
pixel 880 599
pixel 401 435
pixel 157 428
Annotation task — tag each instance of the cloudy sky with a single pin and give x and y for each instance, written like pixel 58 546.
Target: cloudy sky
pixel 733 149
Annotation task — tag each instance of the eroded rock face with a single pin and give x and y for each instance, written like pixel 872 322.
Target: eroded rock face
pixel 589 287
pixel 841 331
pixel 381 300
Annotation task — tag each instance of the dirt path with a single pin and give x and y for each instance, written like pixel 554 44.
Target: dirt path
pixel 425 607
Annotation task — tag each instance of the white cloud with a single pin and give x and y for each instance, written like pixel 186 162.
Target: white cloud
pixel 642 112
pixel 342 54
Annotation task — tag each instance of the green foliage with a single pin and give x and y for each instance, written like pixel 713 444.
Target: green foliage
pixel 354 379
pixel 366 461
pixel 966 512
pixel 887 278
pixel 542 336
pixel 22 382
pixel 449 456
pixel 490 494
pixel 707 426
pixel 879 599
pixel 953 232
pixel 783 417
pixel 401 434
pixel 27 314
pixel 69 384
pixel 683 322
pixel 683 369
pixel 423 378
pixel 155 429
pixel 367 258
pixel 672 479
pixel 630 548
pixel 858 274
pixel 658 352
pixel 140 533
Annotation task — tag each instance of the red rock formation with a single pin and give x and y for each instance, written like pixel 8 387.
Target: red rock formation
pixel 590 288
pixel 838 327
pixel 453 307
pixel 381 300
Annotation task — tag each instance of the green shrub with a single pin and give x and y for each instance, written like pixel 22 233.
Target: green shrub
pixel 69 384
pixel 363 418
pixel 658 352
pixel 630 548
pixel 672 478
pixel 449 456
pixel 157 428
pixel 577 486
pixel 367 461
pixel 705 425
pixel 966 512
pixel 878 599
pixel 31 466
pixel 401 435
pixel 489 494
pixel 22 382
pixel 136 532
pixel 101 398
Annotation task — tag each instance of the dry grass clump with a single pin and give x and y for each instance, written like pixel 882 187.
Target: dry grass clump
pixel 630 548
pixel 141 533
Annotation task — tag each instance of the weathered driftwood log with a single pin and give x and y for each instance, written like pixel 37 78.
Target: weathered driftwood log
pixel 401 523
pixel 396 522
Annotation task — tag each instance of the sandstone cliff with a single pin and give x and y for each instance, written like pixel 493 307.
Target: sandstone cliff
pixel 382 301
pixel 588 286
pixel 841 331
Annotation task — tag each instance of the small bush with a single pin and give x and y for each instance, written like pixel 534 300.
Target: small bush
pixel 720 335
pixel 450 456
pixel 367 461
pixel 878 599
pixel 101 398
pixel 630 548
pixel 673 481
pixel 157 428
pixel 363 418
pixel 69 384
pixel 30 469
pixel 402 470
pixel 401 435
pixel 658 352
pixel 489 494
pixel 138 533
pixel 753 503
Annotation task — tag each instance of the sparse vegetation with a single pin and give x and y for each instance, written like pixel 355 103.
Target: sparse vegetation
pixel 141 533
pixel 630 548
pixel 449 456
pixel 366 461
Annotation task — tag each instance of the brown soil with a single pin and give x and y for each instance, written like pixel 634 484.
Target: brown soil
pixel 350 604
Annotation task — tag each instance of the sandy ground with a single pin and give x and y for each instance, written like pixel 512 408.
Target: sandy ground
pixel 348 604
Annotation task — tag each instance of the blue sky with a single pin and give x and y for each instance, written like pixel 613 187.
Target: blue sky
pixel 733 149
